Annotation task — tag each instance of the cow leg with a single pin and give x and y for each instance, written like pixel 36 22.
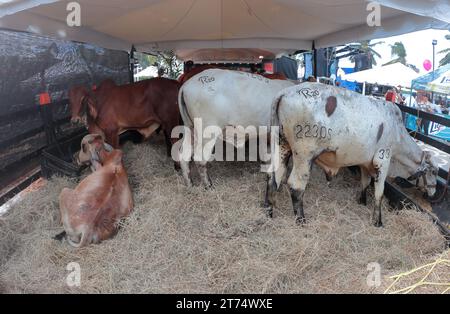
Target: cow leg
pixel 279 172
pixel 365 182
pixel 95 129
pixel 379 191
pixel 186 153
pixel 203 171
pixel 168 143
pixel 270 190
pixel 382 167
pixel 202 165
pixel 112 138
pixel 280 169
pixel 147 132
pixel 66 203
pixel 298 180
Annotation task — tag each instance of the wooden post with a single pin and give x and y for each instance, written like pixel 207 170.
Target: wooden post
pixel 131 64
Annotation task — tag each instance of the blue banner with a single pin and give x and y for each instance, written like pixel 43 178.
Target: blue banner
pixel 434 129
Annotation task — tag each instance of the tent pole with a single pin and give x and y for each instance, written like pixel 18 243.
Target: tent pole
pixel 410 97
pixel 131 64
pixel 314 58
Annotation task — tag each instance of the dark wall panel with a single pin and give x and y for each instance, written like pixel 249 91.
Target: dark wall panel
pixel 30 64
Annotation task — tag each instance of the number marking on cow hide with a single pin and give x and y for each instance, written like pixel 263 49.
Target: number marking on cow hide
pixel 206 79
pixel 255 77
pixel 384 154
pixel 309 93
pixel 313 131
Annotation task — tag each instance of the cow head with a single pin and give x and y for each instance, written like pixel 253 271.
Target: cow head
pixel 426 175
pixel 77 97
pixel 92 147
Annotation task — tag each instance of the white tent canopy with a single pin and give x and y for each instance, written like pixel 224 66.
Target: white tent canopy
pixel 395 74
pixel 442 84
pixel 271 25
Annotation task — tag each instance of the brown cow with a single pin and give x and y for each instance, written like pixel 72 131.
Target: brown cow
pixel 193 72
pixel 91 212
pixel 200 68
pixel 79 97
pixel 144 106
pixel 275 76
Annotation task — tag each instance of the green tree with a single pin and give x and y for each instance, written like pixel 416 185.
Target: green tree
pixel 446 59
pixel 145 60
pixel 366 48
pixel 168 61
pixel 398 52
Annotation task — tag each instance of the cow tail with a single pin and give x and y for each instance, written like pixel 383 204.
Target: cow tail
pixel 187 121
pixel 284 148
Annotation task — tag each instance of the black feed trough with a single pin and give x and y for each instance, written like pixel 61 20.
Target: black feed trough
pixel 58 159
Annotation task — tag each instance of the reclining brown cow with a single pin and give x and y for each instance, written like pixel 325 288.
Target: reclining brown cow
pixel 91 212
pixel 144 106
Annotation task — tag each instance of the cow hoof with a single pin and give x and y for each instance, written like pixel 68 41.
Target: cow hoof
pixel 362 201
pixel 300 221
pixel 209 188
pixel 378 224
pixel 188 183
pixel 269 212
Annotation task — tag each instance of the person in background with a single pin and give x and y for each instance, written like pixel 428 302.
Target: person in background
pixel 444 108
pixel 412 102
pixel 424 104
pixel 391 95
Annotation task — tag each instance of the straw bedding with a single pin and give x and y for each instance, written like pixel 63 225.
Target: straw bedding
pixel 181 240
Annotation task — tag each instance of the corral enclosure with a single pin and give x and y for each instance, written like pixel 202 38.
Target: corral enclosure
pixel 33 64
pixel 181 240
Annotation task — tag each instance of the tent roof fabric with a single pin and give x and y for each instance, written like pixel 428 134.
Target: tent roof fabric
pixel 395 74
pixel 421 83
pixel 442 84
pixel 270 25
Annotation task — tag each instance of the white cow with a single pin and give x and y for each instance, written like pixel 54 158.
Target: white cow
pixel 338 128
pixel 225 98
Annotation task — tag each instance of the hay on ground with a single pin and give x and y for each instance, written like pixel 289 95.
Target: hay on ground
pixel 181 240
pixel 430 278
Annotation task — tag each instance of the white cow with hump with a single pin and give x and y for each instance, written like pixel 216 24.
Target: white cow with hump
pixel 225 98
pixel 338 128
